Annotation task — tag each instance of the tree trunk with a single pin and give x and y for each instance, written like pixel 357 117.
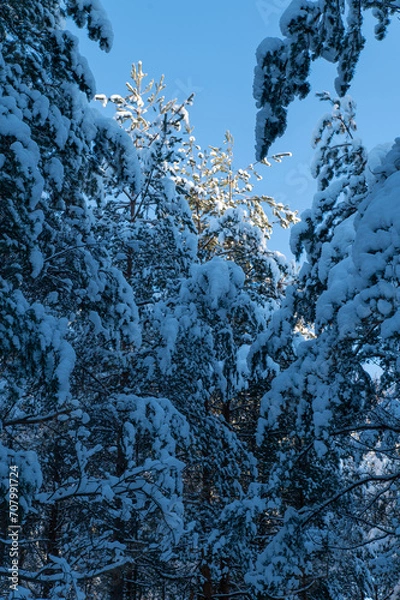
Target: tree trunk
pixel 207 588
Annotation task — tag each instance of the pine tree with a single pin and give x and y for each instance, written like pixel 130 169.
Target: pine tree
pixel 70 325
pixel 205 291
pixel 324 426
pixel 325 29
pixel 329 425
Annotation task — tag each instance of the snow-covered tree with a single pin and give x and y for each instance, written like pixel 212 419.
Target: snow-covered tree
pixel 70 416
pixel 152 229
pixel 312 29
pixel 231 219
pixel 329 420
pixel 193 243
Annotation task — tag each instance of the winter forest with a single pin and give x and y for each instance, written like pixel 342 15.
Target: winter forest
pixel 186 414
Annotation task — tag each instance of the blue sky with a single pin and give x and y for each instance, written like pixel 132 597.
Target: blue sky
pixel 209 47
